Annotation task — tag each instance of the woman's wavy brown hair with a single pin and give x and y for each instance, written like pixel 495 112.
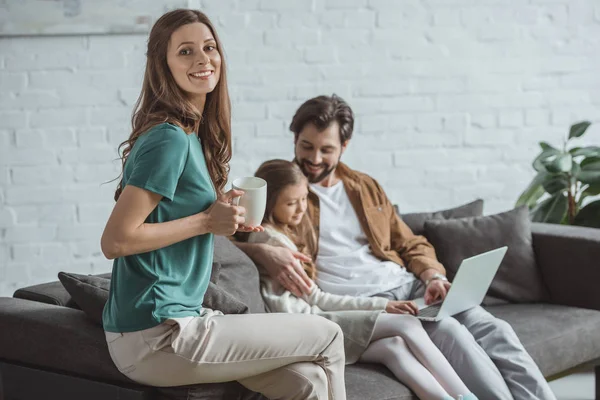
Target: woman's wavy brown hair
pixel 280 174
pixel 161 100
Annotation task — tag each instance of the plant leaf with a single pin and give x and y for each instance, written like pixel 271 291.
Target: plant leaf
pixel 546 146
pixel 538 163
pixel 592 190
pixel 555 183
pixel 551 210
pixel 534 191
pixel 590 170
pixel 562 163
pixel 577 130
pixel 589 215
pixel 590 151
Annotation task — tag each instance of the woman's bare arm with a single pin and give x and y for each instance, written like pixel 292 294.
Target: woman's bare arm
pixel 127 233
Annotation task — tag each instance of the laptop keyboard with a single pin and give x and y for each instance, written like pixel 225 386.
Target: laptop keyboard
pixel 430 311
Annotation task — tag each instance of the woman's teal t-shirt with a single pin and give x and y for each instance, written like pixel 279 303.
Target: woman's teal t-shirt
pixel 148 288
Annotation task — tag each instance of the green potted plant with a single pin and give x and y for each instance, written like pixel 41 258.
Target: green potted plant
pixel 570 179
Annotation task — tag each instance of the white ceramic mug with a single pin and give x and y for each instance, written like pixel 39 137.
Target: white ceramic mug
pixel 254 199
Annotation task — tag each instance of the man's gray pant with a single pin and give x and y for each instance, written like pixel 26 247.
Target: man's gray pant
pixel 484 350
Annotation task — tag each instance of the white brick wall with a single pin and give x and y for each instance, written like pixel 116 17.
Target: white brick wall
pixel 451 97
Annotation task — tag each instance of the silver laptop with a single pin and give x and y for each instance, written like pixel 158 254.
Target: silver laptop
pixel 471 283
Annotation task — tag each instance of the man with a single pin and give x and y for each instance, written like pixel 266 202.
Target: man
pixel 364 249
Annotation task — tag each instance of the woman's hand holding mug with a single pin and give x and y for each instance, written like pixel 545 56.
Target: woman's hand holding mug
pixel 224 218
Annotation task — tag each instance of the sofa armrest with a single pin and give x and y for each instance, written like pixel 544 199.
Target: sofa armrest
pixel 56 338
pixel 569 260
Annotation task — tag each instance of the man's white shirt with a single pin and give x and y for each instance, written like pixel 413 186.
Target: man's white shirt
pixel 345 263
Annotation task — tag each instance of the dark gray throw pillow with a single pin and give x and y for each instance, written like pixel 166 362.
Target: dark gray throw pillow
pixel 518 279
pixel 90 293
pixel 416 221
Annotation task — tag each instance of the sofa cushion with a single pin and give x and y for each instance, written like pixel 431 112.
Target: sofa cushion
pixel 518 279
pixel 374 382
pixel 416 221
pixel 557 337
pixel 238 275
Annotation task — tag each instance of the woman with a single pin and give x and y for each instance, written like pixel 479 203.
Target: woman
pixel 169 204
pixel 370 335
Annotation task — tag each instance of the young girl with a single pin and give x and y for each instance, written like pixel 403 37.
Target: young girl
pixel 375 330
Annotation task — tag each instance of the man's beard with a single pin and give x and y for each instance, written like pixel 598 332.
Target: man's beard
pixel 327 170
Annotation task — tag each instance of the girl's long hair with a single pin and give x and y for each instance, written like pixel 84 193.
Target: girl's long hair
pixel 280 174
pixel 161 100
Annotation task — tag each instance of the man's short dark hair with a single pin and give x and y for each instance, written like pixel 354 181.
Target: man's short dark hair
pixel 322 111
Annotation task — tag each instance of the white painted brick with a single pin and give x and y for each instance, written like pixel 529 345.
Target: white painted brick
pixel 79 232
pixel 489 137
pixel 59 138
pixel 408 103
pixel 567 97
pixel 320 55
pixel 42 175
pixel 359 19
pixel 249 112
pixel 94 213
pixel 409 16
pixel 382 88
pixel 91 137
pixel 345 4
pixel 52 80
pixel 446 17
pixel 29 234
pixel 5 139
pixel 128 97
pixel 4 175
pixel 13 81
pixel 4 257
pixel 430 122
pixel 402 122
pixel 98 173
pixel 270 55
pixel 51 214
pixel 270 128
pixel 86 249
pixel 373 123
pixel 13 119
pixel 60 117
pixel 435 139
pixel 89 155
pixel 288 5
pixel 7 217
pixel 30 138
pixel 266 20
pixel 31 156
pixel 27 253
pixel 112 115
pixel 433 86
pixel 89 96
pixel 298 20
pixel 537 117
pixel 17 195
pixel 340 35
pixel 510 119
pixel 450 176
pixel 301 37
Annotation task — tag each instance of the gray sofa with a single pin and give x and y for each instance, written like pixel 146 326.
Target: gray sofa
pixel 50 349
